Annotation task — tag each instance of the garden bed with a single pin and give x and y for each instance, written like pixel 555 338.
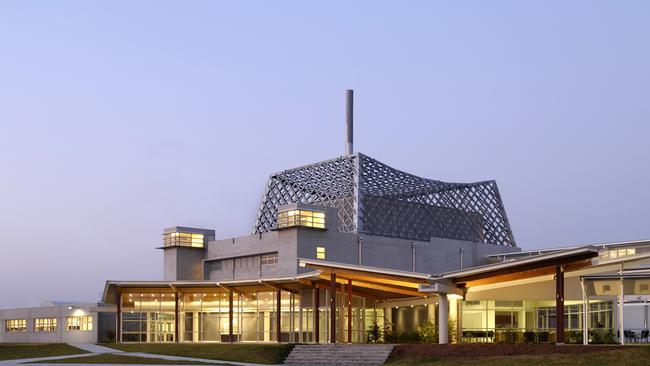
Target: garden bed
pixel 426 351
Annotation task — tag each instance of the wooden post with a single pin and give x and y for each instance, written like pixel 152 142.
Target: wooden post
pixel 316 315
pixel 231 337
pixel 333 308
pixel 278 333
pixel 559 305
pixel 118 319
pixel 176 317
pixel 349 310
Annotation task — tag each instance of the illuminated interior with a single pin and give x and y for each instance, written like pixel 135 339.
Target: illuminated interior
pixel 177 239
pixel 306 218
pixel 320 252
pixel 45 324
pixel 16 325
pixel 79 323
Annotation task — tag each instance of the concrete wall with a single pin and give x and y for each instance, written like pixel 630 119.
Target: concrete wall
pixel 61 335
pixel 283 242
pixel 183 263
pixel 435 256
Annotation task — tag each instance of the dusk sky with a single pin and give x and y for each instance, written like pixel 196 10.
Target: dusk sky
pixel 121 118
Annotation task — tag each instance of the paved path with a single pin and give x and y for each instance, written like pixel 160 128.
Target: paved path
pixel 94 349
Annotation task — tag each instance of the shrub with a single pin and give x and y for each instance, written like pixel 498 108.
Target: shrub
pixel 601 336
pixel 428 333
pixel 374 333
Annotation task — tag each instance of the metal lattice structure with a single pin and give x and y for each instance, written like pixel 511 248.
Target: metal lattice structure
pixel 373 198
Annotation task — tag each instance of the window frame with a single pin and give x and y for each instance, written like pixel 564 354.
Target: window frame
pixel 85 323
pixel 47 324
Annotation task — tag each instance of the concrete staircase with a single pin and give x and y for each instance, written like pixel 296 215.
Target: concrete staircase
pixel 339 354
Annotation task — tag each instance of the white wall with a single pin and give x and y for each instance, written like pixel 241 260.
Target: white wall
pixel 61 335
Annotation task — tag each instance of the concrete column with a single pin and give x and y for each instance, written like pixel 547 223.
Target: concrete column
pixel 443 319
pixel 585 314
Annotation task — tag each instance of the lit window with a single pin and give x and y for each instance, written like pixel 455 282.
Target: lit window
pixel 16 325
pixel 269 259
pixel 80 323
pixel 183 240
pixel 304 218
pixel 320 252
pixel 44 324
pixel 618 253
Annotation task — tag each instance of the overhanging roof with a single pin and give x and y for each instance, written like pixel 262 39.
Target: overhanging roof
pixel 377 282
pixel 570 259
pixel 111 287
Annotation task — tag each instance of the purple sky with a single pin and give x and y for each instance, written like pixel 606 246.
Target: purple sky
pixel 121 118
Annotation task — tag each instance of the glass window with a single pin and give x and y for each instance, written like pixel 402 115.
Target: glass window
pixel 183 240
pixel 44 324
pixel 304 218
pixel 16 325
pixel 268 259
pixel 320 252
pixel 79 323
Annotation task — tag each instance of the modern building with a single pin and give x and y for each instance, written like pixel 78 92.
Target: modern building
pixel 343 244
pixel 56 322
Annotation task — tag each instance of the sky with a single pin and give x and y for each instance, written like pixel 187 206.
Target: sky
pixel 121 118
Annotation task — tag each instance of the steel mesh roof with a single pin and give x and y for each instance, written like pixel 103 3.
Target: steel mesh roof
pixel 373 198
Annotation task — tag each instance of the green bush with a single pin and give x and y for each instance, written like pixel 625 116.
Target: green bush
pixel 374 334
pixel 601 336
pixel 573 337
pixel 428 333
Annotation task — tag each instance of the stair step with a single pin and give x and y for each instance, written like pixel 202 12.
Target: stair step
pixel 339 354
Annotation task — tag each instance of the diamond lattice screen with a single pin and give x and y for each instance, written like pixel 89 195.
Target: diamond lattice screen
pixel 374 198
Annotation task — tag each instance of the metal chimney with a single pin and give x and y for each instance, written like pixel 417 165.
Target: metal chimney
pixel 349 101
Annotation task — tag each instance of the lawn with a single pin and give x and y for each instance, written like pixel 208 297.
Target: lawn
pixel 119 359
pixel 593 356
pixel 14 351
pixel 254 353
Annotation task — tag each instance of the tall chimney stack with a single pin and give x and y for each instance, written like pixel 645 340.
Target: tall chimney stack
pixel 349 101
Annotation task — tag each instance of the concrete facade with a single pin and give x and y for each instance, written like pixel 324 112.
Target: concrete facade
pixel 59 335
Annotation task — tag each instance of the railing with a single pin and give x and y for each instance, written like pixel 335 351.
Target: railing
pixel 635 335
pixel 518 335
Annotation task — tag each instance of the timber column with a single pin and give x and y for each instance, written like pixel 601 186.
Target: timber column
pixel 118 318
pixel 349 310
pixel 278 333
pixel 231 338
pixel 559 305
pixel 316 315
pixel 333 308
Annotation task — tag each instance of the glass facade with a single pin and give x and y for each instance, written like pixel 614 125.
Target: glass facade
pixel 204 316
pixel 148 317
pixel 183 240
pixel 493 321
pixel 306 218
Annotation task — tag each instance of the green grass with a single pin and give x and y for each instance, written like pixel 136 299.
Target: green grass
pixel 119 359
pixel 630 356
pixel 14 351
pixel 254 353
